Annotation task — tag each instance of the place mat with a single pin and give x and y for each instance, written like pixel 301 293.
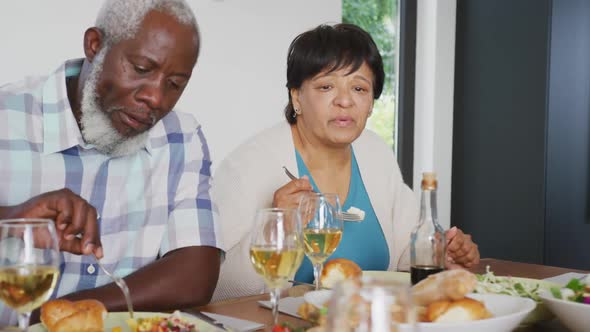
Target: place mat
pixel 287 305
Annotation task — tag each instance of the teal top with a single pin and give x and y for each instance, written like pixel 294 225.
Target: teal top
pixel 362 242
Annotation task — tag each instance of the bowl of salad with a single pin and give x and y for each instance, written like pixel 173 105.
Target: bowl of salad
pixel 489 283
pixel 571 304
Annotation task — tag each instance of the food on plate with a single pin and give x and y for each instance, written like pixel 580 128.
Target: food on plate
pixel 79 316
pixel 442 298
pixel 311 313
pixel 338 269
pixel 286 327
pixel 576 290
pixel 334 271
pixel 172 323
pixel 463 310
pixel 447 285
pixel 489 283
pixel 356 211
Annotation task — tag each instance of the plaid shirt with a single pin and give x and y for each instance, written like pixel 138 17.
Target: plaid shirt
pixel 149 203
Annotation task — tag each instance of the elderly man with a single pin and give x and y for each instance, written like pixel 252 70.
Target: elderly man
pixel 96 147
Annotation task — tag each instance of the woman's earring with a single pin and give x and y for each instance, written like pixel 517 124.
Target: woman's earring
pixel 297 112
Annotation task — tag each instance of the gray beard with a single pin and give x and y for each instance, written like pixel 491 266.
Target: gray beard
pixel 97 128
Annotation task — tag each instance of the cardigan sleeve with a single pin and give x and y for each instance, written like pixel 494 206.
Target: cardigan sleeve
pixel 405 216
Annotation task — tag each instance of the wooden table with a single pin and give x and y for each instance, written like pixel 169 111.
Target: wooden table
pixel 248 308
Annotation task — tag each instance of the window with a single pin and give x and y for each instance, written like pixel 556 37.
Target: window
pixel 380 19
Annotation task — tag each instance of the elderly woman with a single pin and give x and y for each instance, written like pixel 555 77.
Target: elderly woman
pixel 334 74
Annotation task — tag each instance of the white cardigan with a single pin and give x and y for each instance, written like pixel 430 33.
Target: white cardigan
pixel 247 179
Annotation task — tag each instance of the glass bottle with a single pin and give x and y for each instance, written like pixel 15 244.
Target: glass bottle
pixel 428 243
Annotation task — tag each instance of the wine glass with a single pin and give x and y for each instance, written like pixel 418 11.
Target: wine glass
pixel 322 228
pixel 371 305
pixel 276 250
pixel 29 265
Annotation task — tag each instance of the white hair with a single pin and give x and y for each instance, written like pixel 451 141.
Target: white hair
pixel 120 19
pixel 97 128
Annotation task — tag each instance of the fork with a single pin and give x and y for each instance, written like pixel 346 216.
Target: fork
pixel 345 216
pixel 122 285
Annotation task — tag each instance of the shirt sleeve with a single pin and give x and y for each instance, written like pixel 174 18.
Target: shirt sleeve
pixel 192 218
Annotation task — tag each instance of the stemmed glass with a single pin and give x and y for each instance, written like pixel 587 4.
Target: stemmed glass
pixel 276 250
pixel 322 228
pixel 29 265
pixel 371 305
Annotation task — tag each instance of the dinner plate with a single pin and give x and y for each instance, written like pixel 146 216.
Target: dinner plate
pixel 287 305
pixel 574 315
pixel 118 319
pixel 507 312
pixel 540 313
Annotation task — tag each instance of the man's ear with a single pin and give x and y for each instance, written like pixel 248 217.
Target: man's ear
pixel 93 41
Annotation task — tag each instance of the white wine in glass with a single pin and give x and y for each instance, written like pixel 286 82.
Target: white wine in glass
pixel 276 250
pixel 29 265
pixel 322 228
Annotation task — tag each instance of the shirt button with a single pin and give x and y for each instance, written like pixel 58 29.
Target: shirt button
pixel 90 269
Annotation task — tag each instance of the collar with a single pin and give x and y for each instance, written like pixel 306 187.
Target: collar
pixel 60 128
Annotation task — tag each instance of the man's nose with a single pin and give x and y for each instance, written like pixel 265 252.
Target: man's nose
pixel 151 94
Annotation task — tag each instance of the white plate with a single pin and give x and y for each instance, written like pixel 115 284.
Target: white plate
pixel 287 305
pixel 575 316
pixel 507 311
pixel 539 314
pixel 318 298
pixel 117 319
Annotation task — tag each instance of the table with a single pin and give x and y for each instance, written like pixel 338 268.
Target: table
pixel 248 308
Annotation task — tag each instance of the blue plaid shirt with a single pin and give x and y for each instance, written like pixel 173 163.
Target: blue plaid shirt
pixel 152 202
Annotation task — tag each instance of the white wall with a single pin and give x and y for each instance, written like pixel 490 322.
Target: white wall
pixel 435 67
pixel 238 86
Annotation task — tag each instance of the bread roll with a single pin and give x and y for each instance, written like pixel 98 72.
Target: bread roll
pixel 67 316
pixel 81 321
pixel 447 285
pixel 463 310
pixel 54 311
pixel 339 269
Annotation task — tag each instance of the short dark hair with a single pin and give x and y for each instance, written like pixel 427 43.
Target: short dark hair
pixel 330 48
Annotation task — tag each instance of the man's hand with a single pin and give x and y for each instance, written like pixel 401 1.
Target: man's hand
pixel 72 215
pixel 288 196
pixel 461 251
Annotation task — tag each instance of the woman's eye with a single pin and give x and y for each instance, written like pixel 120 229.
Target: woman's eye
pixel 325 87
pixel 360 89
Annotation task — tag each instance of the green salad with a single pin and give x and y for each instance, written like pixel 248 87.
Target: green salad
pixel 576 290
pixel 489 283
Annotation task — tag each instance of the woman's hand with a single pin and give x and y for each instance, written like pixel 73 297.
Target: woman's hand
pixel 461 251
pixel 289 195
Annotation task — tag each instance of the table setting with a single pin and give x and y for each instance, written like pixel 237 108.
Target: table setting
pixel 495 295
